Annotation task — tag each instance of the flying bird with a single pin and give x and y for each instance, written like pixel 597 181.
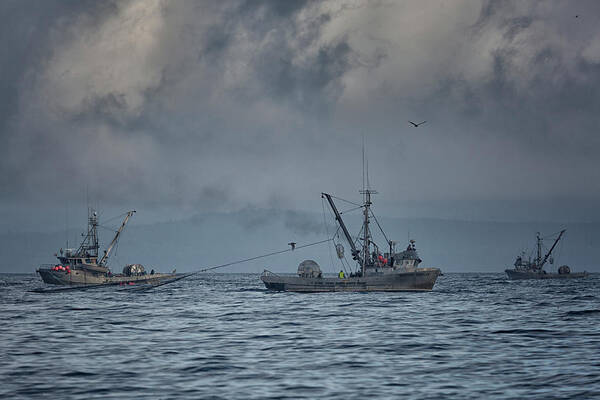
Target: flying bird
pixel 417 125
pixel 293 244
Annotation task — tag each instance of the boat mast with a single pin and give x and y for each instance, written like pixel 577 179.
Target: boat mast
pixel 366 191
pixel 367 234
pixel 114 241
pixel 538 259
pixel 552 248
pixel 90 242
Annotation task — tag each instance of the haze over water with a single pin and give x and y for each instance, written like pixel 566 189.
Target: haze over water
pixel 224 336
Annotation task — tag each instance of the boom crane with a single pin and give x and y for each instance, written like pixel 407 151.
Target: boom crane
pixel 338 217
pixel 114 241
pixel 552 248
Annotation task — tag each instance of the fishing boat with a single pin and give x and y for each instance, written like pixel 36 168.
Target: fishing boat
pixel 84 266
pixel 526 268
pixel 374 270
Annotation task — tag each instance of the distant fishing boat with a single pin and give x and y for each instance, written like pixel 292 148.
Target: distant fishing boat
pixel 376 271
pixel 81 266
pixel 534 269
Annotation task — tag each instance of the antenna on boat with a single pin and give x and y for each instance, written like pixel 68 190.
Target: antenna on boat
pixel 365 167
pixel 538 259
pixel 67 224
pixel 368 183
pixel 367 203
pixel 363 161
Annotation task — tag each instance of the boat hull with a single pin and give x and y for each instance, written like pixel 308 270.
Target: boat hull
pixel 520 275
pixel 421 279
pixel 83 277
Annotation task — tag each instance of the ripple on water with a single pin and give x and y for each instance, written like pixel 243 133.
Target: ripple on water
pixel 225 336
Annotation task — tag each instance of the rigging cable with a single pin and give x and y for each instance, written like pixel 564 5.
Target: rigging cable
pixel 120 216
pixel 552 235
pixel 381 229
pixel 184 275
pixel 347 201
pixel 238 262
pixel 107 228
pixel 358 238
pixel 350 210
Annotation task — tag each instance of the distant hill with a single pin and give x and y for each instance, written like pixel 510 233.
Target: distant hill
pixel 205 240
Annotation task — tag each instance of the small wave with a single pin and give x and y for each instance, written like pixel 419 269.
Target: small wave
pixel 466 321
pixel 264 337
pixel 78 374
pixel 210 368
pixel 586 297
pixel 348 364
pixel 583 312
pixel 303 388
pixel 218 335
pixel 525 331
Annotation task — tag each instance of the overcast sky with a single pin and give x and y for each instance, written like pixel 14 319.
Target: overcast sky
pixel 196 106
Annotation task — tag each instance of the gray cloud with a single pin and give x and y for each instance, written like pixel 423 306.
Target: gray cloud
pixel 296 222
pixel 224 106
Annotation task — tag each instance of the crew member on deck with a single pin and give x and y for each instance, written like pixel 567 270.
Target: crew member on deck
pixel 341 275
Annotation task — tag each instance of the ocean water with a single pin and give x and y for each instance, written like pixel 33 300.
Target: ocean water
pixel 223 336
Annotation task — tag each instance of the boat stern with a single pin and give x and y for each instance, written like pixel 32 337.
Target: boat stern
pixel 272 281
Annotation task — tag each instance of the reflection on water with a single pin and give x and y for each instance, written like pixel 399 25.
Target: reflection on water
pixel 223 335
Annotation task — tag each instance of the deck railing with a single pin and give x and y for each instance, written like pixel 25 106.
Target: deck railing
pixel 266 272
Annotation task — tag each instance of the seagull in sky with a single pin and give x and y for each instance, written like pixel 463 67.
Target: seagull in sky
pixel 417 125
pixel 293 244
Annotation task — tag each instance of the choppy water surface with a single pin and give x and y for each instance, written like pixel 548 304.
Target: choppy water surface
pixel 224 336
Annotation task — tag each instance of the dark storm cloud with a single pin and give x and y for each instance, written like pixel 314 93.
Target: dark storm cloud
pixel 25 28
pixel 93 123
pixel 228 105
pixel 303 223
pixel 312 85
pixel 295 222
pixel 541 92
